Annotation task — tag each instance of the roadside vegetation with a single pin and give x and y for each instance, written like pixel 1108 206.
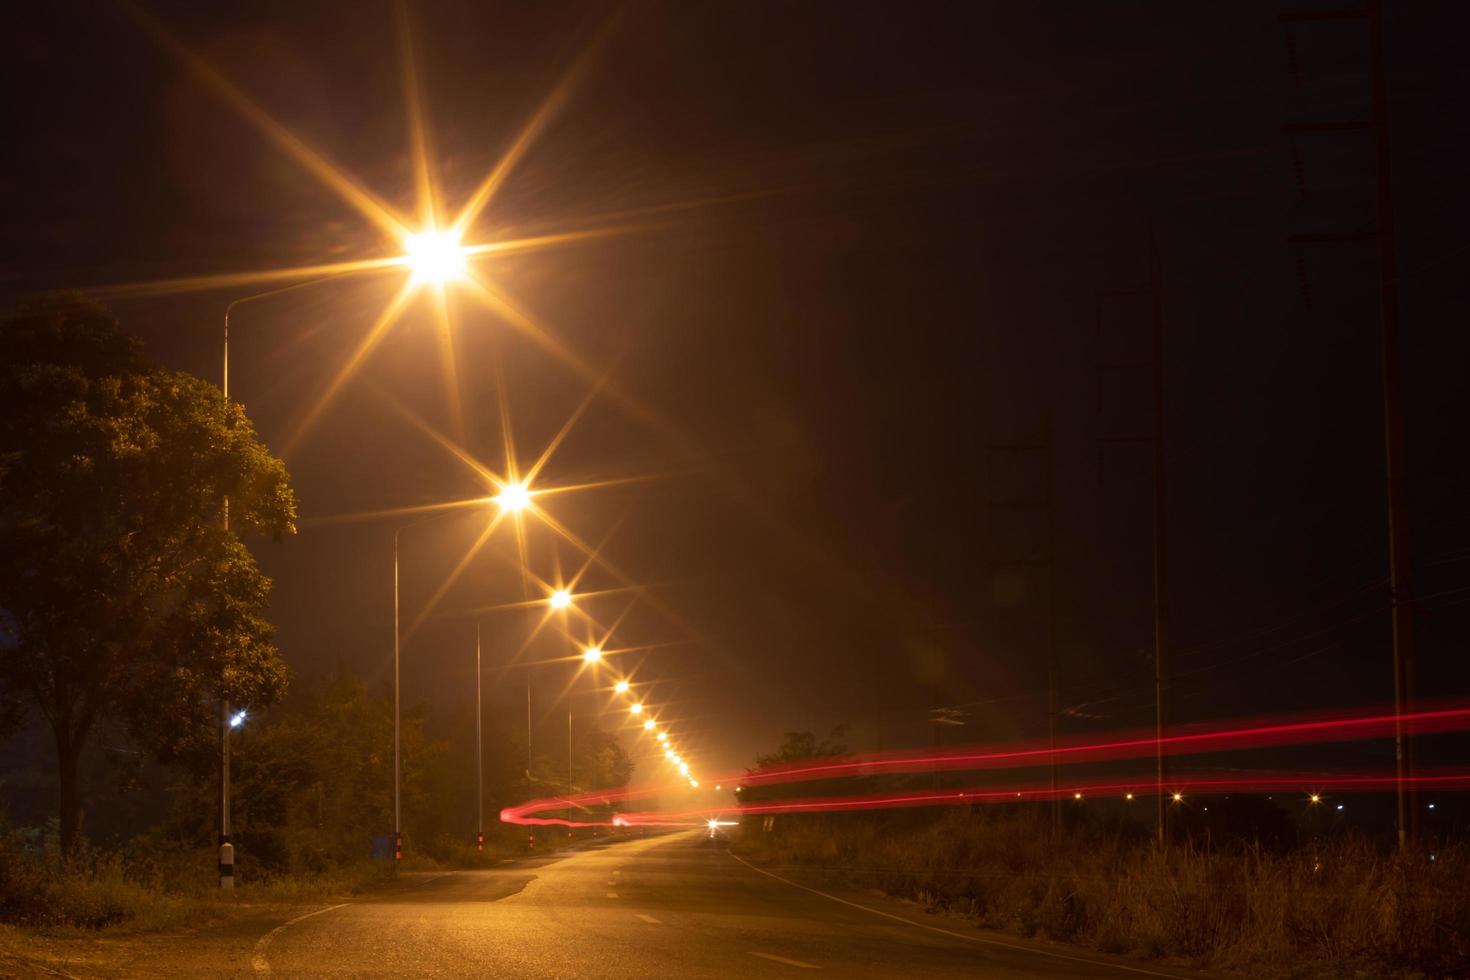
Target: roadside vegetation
pixel 313 788
pixel 129 610
pixel 1337 907
pixel 1260 900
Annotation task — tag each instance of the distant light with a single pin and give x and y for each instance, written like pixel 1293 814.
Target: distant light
pixel 636 708
pixel 1127 796
pixel 739 788
pixel 514 497
pixel 621 687
pixel 694 783
pixel 684 768
pixel 713 823
pixel 592 654
pixel 434 256
pixel 1076 796
pixel 560 599
pixel 1178 797
pixel 1314 798
pixel 669 754
pixel 1431 806
pixel 648 725
pixel 1339 806
pixel 237 719
pixel 717 786
pixel 663 736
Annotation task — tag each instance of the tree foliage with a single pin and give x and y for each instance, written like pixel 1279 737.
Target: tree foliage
pixel 800 746
pixel 123 596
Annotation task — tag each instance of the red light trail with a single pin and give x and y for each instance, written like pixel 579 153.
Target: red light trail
pixel 1184 784
pixel 1206 738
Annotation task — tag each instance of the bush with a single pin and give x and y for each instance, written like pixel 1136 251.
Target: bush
pixel 1106 886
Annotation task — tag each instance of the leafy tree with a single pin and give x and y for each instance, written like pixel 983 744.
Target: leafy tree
pixel 800 746
pixel 121 595
pixel 313 779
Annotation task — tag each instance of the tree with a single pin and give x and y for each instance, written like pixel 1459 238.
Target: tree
pixel 800 746
pixel 122 595
pixel 314 779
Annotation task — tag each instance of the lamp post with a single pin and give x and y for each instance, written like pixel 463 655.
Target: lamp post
pixel 512 497
pixel 227 720
pixel 479 756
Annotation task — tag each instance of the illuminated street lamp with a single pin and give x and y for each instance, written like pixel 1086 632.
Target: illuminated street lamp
pixel 663 737
pixel 648 725
pixel 621 687
pixel 514 498
pixel 434 256
pixel 592 654
pixel 397 699
pixel 560 599
pixel 636 708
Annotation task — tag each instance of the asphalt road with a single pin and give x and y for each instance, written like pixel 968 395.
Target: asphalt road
pixel 670 908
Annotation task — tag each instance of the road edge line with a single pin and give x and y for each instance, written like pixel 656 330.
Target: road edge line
pixel 958 935
pixel 258 962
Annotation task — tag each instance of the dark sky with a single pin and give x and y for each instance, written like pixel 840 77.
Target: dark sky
pixel 900 216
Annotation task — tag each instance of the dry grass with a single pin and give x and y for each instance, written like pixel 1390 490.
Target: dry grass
pixel 1332 909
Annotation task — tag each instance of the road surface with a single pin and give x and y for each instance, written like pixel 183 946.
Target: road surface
pixel 677 907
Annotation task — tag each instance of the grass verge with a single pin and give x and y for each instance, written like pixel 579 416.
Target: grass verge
pixel 1335 908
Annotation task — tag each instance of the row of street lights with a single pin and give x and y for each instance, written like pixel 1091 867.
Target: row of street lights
pixel 433 257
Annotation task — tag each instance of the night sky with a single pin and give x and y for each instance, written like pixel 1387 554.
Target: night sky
pixel 876 234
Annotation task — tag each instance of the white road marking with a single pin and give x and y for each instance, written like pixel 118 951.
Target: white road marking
pixel 648 918
pixel 958 935
pixel 259 963
pixel 781 959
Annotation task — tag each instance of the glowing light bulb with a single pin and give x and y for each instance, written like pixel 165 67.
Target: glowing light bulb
pixel 560 599
pixel 621 687
pixel 434 256
pixel 514 497
pixel 592 654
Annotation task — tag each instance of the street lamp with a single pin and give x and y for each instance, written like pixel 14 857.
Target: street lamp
pixel 514 498
pixel 434 256
pixel 560 599
pixel 621 687
pixel 592 654
pixel 397 698
pixel 227 719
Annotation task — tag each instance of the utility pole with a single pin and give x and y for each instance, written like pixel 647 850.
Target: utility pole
pixel 1400 567
pixel 1154 292
pixel 479 753
pixel 1044 502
